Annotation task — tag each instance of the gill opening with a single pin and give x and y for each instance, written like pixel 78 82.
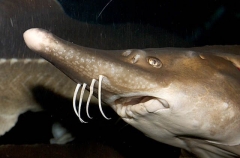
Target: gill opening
pixel 91 88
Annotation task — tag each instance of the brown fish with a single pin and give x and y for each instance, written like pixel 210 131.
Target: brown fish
pixel 188 98
pixel 22 70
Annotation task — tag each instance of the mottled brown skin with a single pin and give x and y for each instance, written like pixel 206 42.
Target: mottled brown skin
pixel 188 98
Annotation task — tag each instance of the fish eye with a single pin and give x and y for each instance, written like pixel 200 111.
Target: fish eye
pixel 155 62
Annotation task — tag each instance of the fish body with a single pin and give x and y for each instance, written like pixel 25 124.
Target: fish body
pixel 184 97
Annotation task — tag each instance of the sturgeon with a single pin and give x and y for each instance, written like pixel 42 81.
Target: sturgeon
pixel 185 97
pixel 22 71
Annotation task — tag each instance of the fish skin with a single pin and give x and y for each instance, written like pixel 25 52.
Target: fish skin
pixel 185 97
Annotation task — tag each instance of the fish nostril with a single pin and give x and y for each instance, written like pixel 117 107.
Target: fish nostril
pixel 135 59
pixel 133 55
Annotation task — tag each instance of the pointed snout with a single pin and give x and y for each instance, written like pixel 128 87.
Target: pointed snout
pixel 34 38
pixel 73 60
pixel 84 64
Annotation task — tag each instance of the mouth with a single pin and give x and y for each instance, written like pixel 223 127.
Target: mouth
pixel 126 101
pixel 116 100
pixel 126 105
pixel 131 107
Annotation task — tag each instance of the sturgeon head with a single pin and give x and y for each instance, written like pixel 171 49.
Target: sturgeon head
pixel 188 98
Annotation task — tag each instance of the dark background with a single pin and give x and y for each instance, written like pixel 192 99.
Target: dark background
pixel 202 22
